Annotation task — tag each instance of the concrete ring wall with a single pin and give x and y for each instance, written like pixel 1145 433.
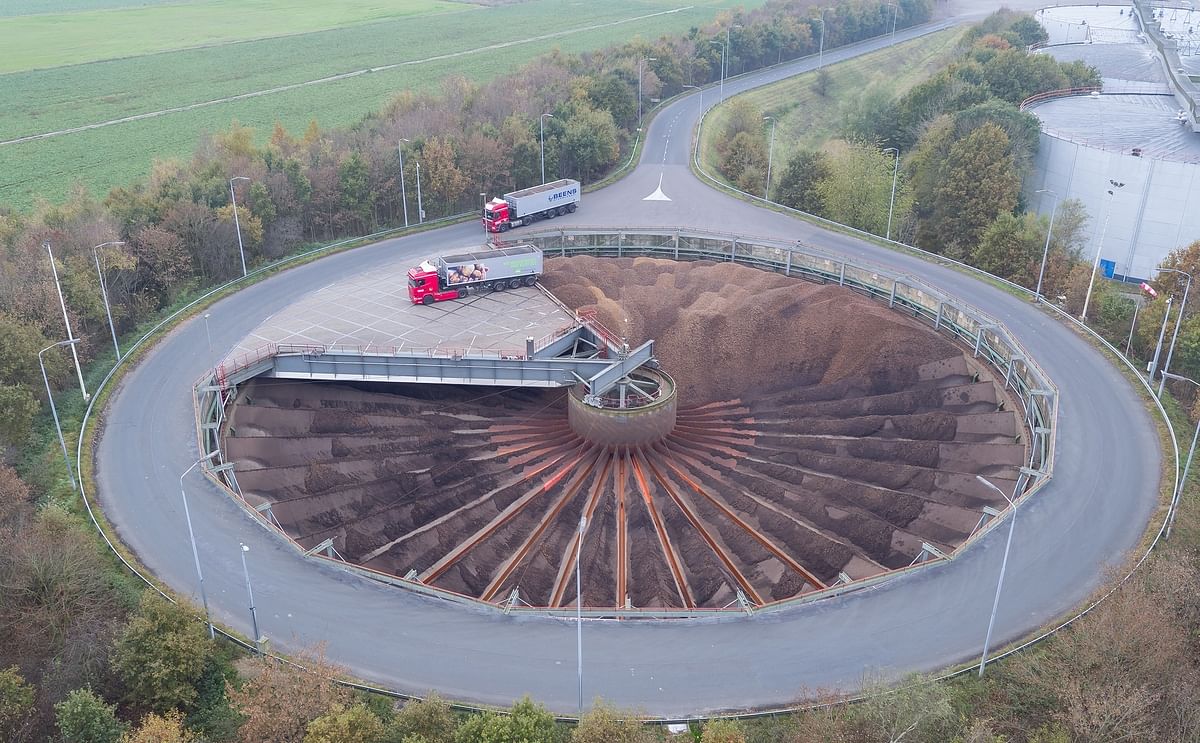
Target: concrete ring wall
pixel 988 341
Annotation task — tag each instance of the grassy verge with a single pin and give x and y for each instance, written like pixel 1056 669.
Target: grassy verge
pixel 807 120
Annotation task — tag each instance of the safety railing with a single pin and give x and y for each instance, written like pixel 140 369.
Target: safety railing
pixel 1060 93
pixel 985 336
pixel 982 335
pixel 1183 84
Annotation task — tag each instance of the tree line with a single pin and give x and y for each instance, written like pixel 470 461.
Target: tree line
pixel 954 150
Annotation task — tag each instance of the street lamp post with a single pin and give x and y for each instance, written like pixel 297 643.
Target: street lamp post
pixel 403 191
pixel 1099 246
pixel 420 208
pixel 237 222
pixel 207 333
pixel 66 320
pixel 1137 305
pixel 1162 332
pixel 729 46
pixel 1187 466
pixel 1037 293
pixel 542 129
pixel 895 17
pixel 821 49
pixel 1012 525
pixel 483 215
pixel 770 157
pixel 1178 321
pixel 104 292
pixel 250 595
pixel 722 45
pixel 641 71
pixel 187 515
pixel 53 410
pixel 895 177
pixel 579 608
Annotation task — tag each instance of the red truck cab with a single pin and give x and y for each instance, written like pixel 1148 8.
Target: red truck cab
pixel 497 216
pixel 424 288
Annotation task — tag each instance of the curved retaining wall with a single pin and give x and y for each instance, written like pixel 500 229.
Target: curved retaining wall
pixel 634 426
pixel 984 336
pixel 1153 214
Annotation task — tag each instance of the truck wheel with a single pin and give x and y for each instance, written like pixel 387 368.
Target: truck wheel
pixel 530 280
pixel 562 210
pixel 462 293
pixel 571 208
pixel 504 227
pixel 550 214
pixel 514 284
pixel 498 286
pixel 427 299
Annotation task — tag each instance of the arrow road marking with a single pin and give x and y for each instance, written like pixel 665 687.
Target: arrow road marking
pixel 658 194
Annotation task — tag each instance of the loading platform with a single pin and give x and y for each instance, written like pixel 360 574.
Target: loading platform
pixel 366 329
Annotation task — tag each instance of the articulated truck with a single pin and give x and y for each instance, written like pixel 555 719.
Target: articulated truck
pixel 528 205
pixel 454 276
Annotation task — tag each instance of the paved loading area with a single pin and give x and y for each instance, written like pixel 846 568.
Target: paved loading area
pixel 371 312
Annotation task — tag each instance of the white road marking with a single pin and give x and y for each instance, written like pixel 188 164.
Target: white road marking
pixel 658 194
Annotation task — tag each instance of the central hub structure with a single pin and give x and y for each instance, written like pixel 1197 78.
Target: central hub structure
pixel 638 411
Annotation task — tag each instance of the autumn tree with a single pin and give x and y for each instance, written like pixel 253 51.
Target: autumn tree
pixel 590 142
pixel 1011 248
pixel 16 702
pixel 604 723
pixel 857 191
pixel 356 196
pixel 614 94
pixel 526 722
pixel 84 717
pixel 161 654
pixel 165 728
pixel 798 185
pixel 281 699
pixel 162 266
pixel 978 183
pixel 18 406
pixel 1186 260
pixel 524 164
pixel 744 160
pixel 722 731
pixel 445 184
pixel 341 724
pixel 431 720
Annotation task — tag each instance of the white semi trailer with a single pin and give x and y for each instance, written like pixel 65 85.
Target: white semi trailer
pixel 528 205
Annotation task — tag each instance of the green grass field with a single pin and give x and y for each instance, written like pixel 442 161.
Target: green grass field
pixel 806 120
pixel 428 48
pixel 54 39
